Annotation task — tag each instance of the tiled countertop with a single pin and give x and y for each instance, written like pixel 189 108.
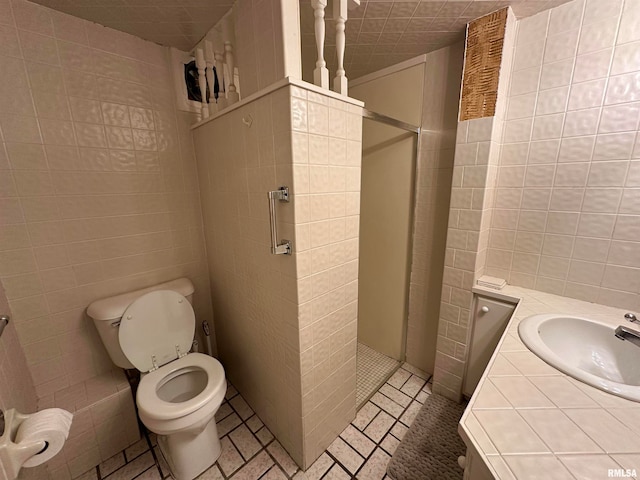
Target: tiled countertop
pixel 528 420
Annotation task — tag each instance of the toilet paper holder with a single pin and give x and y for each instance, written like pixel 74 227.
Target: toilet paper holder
pixel 13 455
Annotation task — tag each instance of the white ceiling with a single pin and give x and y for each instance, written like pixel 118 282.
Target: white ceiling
pixel 383 33
pixel 379 32
pixel 175 23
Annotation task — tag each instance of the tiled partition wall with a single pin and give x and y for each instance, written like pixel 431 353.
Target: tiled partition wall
pixel 98 187
pixel 327 154
pixel 286 324
pixel 475 174
pixel 243 154
pixel 567 217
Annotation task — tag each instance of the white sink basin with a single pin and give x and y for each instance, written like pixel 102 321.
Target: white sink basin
pixel 586 350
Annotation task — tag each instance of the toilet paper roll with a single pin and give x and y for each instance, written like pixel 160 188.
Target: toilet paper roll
pixel 52 426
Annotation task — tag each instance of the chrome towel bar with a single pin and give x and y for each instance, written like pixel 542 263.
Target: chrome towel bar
pixel 284 247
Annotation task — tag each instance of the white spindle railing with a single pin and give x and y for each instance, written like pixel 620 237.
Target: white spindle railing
pixel 202 81
pixel 215 62
pixel 320 73
pixel 228 33
pixel 215 59
pixel 209 58
pixel 218 52
pixel 340 14
pixel 232 94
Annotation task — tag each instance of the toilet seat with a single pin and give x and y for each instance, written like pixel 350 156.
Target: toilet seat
pixel 152 406
pixel 156 329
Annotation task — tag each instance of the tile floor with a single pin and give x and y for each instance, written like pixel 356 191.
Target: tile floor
pixel 372 370
pixel 249 450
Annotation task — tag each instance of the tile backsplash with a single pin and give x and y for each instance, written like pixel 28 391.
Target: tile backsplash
pixel 567 203
pixel 98 189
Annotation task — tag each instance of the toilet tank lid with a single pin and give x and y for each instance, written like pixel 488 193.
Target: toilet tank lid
pixel 112 308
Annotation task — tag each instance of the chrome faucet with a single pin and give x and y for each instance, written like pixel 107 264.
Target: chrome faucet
pixel 631 317
pixel 626 333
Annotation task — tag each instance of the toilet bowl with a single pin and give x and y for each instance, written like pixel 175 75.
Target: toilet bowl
pixel 178 402
pixel 179 392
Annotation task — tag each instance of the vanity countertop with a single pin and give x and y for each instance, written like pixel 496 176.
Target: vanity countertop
pixel 528 420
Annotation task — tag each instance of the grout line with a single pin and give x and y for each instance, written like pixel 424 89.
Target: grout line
pixel 264 448
pixel 396 421
pixel 152 450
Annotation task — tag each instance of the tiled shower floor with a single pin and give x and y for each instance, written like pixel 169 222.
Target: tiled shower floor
pixel 249 450
pixel 372 370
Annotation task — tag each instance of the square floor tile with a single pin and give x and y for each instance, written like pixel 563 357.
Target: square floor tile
pixel 346 455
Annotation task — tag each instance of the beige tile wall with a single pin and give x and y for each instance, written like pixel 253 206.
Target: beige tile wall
pixel 242 155
pixel 567 211
pixel 286 324
pixel 434 170
pixel 98 191
pixel 327 154
pixel 260 45
pixel 16 385
pixel 104 416
pixel 104 423
pixel 475 174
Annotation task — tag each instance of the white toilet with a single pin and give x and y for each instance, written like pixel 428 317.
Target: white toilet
pixel 179 393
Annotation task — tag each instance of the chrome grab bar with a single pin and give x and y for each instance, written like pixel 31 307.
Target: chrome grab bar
pixel 283 248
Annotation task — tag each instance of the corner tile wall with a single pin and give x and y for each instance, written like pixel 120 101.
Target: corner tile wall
pixel 98 189
pixel 327 155
pixel 475 173
pixel 286 324
pixel 567 208
pixel 434 170
pixel 16 386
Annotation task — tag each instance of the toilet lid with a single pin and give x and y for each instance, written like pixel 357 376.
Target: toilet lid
pixel 153 326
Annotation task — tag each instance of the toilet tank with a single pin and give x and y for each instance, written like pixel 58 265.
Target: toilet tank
pixel 107 312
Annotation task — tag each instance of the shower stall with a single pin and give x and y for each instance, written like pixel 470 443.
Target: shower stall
pixel 386 217
pixel 410 117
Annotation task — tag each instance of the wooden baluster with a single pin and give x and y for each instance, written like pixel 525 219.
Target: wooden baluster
pixel 340 82
pixel 218 50
pixel 222 99
pixel 210 58
pixel 228 33
pixel 202 80
pixel 232 95
pixel 320 74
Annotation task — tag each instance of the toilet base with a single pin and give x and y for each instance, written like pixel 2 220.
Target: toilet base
pixel 188 454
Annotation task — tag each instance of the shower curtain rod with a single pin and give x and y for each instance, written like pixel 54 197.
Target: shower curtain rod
pixel 378 117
